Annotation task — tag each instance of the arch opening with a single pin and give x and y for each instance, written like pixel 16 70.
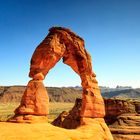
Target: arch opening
pixel 62 76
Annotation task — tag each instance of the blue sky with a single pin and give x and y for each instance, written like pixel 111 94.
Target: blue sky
pixel 110 28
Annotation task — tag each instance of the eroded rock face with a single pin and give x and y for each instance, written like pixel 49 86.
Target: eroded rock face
pixel 34 104
pixel 71 119
pixel 35 100
pixel 122 117
pixel 61 43
pixel 116 107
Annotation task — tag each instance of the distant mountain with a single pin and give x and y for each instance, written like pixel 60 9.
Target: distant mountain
pixel 14 93
pixel 124 93
pixel 118 88
pixel 67 94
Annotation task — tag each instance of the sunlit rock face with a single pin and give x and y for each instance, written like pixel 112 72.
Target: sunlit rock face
pixel 35 100
pixel 34 104
pixel 61 43
pixel 122 117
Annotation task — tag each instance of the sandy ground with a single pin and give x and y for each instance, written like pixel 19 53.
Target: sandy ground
pixel 46 131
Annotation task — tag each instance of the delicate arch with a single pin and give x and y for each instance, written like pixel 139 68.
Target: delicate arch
pixel 59 43
pixel 63 43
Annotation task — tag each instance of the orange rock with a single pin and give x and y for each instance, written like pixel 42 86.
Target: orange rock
pixel 99 124
pixel 28 119
pixel 45 131
pixel 35 100
pixel 38 76
pixel 71 119
pixel 63 43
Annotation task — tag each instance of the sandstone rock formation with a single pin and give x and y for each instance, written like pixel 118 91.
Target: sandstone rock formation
pixel 34 100
pixel 71 119
pixel 62 43
pixel 45 131
pixel 122 116
pixel 117 107
pixel 34 104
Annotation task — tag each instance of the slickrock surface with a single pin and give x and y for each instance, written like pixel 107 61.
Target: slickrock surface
pixel 96 130
pixel 122 117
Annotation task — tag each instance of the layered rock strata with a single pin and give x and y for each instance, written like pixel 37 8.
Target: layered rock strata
pixel 123 118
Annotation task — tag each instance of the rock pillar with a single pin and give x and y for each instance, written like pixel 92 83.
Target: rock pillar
pixel 35 100
pixel 92 101
pixel 34 106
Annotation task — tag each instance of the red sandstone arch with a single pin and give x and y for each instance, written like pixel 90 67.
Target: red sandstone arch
pixel 61 43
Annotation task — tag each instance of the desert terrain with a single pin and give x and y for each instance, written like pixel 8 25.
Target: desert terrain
pixel 122 114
